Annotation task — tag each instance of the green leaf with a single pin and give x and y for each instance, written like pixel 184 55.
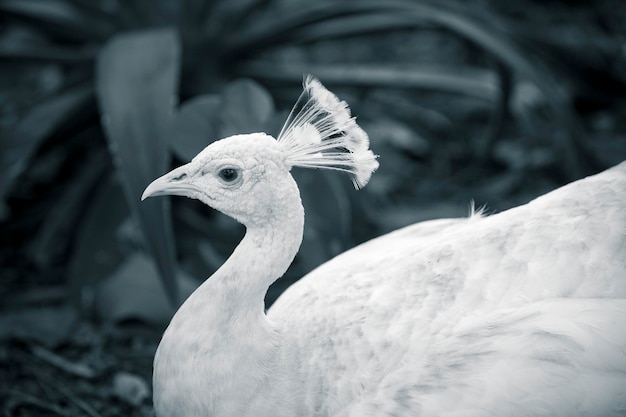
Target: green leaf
pixel 59 18
pixel 473 82
pixel 49 326
pixel 38 124
pixel 57 230
pixel 350 26
pixel 47 54
pixel 137 78
pixel 195 126
pixel 324 20
pixel 94 9
pixel 195 14
pixel 133 291
pixel 96 251
pixel 243 107
pixel 267 32
pixel 247 108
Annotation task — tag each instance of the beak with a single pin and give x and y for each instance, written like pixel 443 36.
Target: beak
pixel 175 182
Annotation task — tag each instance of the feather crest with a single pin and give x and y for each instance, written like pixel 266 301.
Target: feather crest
pixel 321 133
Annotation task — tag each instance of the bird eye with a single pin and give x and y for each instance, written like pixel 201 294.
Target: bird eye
pixel 228 174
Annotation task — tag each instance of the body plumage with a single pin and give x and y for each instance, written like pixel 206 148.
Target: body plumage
pixel 520 313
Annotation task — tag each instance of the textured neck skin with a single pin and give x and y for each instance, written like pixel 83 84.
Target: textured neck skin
pixel 220 355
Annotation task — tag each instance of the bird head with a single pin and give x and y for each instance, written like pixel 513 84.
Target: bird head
pixel 245 176
pixel 239 176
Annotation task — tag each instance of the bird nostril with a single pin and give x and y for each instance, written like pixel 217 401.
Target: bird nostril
pixel 179 177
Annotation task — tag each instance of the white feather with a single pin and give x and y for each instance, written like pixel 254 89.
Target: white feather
pixel 321 133
pixel 521 313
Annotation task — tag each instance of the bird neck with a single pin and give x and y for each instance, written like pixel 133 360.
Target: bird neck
pixel 220 349
pixel 263 256
pixel 238 287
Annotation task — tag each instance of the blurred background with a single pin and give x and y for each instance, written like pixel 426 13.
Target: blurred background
pixel 479 100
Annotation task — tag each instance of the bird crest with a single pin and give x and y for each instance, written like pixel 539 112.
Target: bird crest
pixel 321 133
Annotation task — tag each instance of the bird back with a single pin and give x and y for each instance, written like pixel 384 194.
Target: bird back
pixel 442 313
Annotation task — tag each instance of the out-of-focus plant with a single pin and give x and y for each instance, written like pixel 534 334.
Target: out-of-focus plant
pixel 151 55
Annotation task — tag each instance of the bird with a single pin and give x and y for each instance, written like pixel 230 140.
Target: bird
pixel 518 313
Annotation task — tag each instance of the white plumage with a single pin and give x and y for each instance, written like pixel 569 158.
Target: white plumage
pixel 521 313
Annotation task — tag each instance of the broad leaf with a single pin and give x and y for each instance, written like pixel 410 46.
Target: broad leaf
pixel 473 82
pixel 55 54
pixel 33 129
pixel 247 108
pixel 243 107
pixel 195 126
pixel 133 292
pixel 49 326
pixel 96 252
pixel 57 230
pixel 267 32
pixel 137 80
pixel 59 18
